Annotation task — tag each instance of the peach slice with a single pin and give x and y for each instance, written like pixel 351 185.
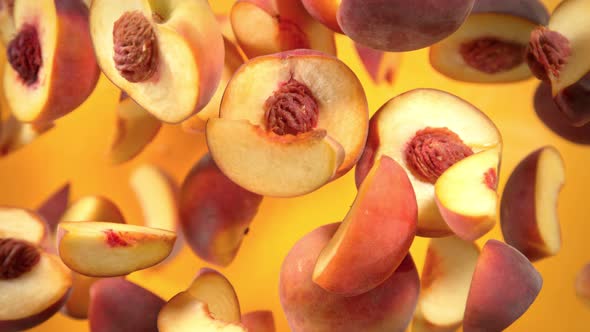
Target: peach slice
pixel 212 204
pixel 583 284
pixel 490 47
pixel 22 224
pixel 270 26
pixel 102 249
pixel 417 127
pixel 47 54
pixel 528 210
pixel 325 11
pixel 504 285
pixel 381 66
pixel 15 134
pixel 301 109
pixel 308 307
pixel 374 237
pixel 136 128
pixel 446 276
pixel 118 305
pixel 7 29
pixel 54 207
pixel 176 37
pixel 466 194
pixel 259 321
pixel 212 288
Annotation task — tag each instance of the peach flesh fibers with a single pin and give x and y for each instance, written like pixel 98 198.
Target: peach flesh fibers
pixel 24 54
pixel 547 53
pixel 17 257
pixel 292 109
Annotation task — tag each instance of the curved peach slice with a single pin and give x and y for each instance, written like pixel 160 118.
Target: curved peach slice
pixel 308 307
pixel 325 11
pixel 528 210
pixel 48 53
pixel 118 305
pixel 381 66
pixel 270 26
pixel 446 277
pixel 212 204
pixel 383 216
pixel 102 249
pixel 269 164
pixel 54 207
pixel 583 284
pixel 259 321
pixel 7 29
pixel 466 194
pixel 504 285
pixel 15 134
pixel 426 131
pixel 212 288
pixel 136 128
pixel 22 225
pixel 490 47
pixel 176 37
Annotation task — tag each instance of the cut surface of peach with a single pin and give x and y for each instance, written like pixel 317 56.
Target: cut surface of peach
pixel 21 224
pixel 466 194
pixel 102 249
pixel 212 288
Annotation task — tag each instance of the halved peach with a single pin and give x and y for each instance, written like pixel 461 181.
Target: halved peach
pixel 381 66
pixel 583 284
pixel 212 204
pixel 286 120
pixel 15 134
pixel 528 210
pixel 118 305
pixel 135 129
pixel 51 64
pixel 466 194
pixel 270 26
pixel 308 307
pixel 212 288
pixel 103 249
pixel 7 29
pixel 426 131
pixel 259 321
pixel 141 46
pixel 22 224
pixel 503 286
pixel 52 209
pixel 490 47
pixel 446 277
pixel 374 237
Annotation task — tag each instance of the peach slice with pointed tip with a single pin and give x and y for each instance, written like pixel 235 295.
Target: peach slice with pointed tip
pixel 54 207
pixel 118 305
pixel 22 224
pixel 103 249
pixel 582 285
pixel 466 194
pixel 177 37
pixel 528 210
pixel 381 66
pixel 259 321
pixel 503 286
pixel 212 288
pixel 381 229
pixel 15 135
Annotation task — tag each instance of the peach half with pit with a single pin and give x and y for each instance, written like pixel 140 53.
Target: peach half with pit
pixel 427 131
pixel 289 123
pixel 490 47
pixel 51 66
pixel 264 27
pixel 22 224
pixel 142 45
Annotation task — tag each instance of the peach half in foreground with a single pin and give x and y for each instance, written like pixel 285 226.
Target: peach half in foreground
pixel 289 123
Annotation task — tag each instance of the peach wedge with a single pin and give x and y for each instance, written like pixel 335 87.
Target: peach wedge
pixel 259 321
pixel 212 204
pixel 503 286
pixel 264 27
pixel 427 131
pixel 289 123
pixel 102 249
pixel 308 307
pixel 528 210
pixel 53 208
pixel 176 37
pixel 50 50
pixel 374 237
pixel 490 47
pixel 381 66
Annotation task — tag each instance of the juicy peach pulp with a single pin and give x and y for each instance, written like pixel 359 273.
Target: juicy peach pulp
pixel 289 123
pixel 381 66
pixel 175 37
pixel 417 126
pixel 44 60
pixel 269 26
pixel 490 46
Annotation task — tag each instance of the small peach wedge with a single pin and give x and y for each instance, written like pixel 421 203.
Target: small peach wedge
pixel 381 66
pixel 259 321
pixel 54 207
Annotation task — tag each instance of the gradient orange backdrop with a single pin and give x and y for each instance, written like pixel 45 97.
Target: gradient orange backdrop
pixel 75 151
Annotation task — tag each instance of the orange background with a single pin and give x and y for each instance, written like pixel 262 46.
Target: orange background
pixel 75 151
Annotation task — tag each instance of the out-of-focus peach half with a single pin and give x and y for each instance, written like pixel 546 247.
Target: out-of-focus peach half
pixel 103 249
pixel 446 277
pixel 51 66
pixel 466 194
pixel 7 29
pixel 374 237
pixel 528 210
pixel 15 134
pixel 289 123
pixel 22 224
pixel 325 11
pixel 142 46
pixel 490 47
pixel 381 66
pixel 259 321
pixel 270 26
pixel 583 284
pixel 427 131
pixel 135 129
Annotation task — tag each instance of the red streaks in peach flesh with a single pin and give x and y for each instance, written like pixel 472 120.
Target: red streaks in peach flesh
pixel 292 109
pixel 490 178
pixel 114 239
pixel 547 53
pixel 24 54
pixel 291 35
pixel 432 151
pixel 492 55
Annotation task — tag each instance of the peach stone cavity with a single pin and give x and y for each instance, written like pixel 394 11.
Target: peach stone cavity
pixel 492 55
pixel 24 54
pixel 17 257
pixel 547 53
pixel 292 109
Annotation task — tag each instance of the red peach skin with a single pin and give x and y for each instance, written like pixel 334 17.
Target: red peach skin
pixel 259 321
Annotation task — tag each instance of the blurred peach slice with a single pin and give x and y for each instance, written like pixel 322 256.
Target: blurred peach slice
pixel 381 66
pixel 54 207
